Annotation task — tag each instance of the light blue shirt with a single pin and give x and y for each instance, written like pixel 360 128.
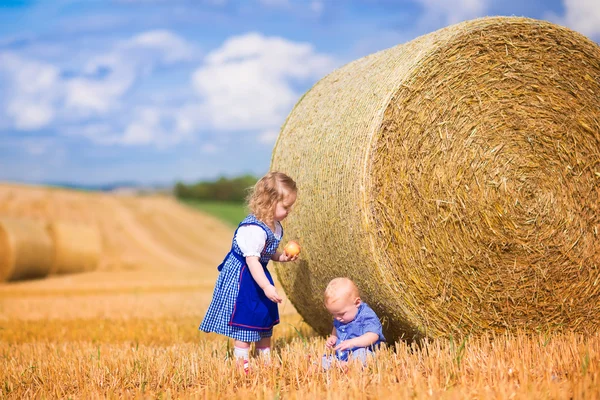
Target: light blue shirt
pixel 365 321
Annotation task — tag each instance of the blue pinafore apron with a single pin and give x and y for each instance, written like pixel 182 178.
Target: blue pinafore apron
pixel 252 309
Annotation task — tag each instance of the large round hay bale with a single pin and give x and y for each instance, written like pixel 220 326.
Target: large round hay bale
pixel 456 179
pixel 77 247
pixel 25 249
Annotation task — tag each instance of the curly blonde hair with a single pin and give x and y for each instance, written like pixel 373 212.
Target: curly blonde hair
pixel 265 194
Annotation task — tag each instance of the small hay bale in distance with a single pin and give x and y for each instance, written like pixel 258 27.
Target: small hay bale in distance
pixel 26 250
pixel 456 179
pixel 77 247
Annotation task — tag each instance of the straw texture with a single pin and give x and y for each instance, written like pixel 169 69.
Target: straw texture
pixel 25 250
pixel 456 179
pixel 77 247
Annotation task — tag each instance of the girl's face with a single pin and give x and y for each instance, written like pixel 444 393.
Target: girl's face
pixel 284 207
pixel 343 308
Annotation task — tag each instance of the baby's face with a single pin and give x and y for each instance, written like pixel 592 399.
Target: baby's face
pixel 343 308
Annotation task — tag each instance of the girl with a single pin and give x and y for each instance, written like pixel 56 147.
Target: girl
pixel 244 303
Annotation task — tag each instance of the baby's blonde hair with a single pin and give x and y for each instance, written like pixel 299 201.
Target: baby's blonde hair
pixel 265 194
pixel 340 287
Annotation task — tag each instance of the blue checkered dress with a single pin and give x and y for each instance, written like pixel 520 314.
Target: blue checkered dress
pixel 219 314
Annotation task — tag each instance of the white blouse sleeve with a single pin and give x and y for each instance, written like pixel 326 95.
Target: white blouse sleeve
pixel 251 239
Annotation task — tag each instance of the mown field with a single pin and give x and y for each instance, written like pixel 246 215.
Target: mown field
pixel 129 329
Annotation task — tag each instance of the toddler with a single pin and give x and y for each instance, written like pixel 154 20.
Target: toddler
pixel 356 328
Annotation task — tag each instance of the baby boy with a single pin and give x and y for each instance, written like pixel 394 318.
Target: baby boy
pixel 356 327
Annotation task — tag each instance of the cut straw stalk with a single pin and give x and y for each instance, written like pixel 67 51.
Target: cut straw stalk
pixel 455 179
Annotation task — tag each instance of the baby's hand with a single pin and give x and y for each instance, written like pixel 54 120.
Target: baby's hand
pixel 345 345
pixel 331 340
pixel 271 293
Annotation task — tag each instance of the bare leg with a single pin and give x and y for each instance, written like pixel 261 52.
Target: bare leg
pixel 241 345
pixel 264 342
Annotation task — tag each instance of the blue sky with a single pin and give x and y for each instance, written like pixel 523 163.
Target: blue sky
pixel 155 91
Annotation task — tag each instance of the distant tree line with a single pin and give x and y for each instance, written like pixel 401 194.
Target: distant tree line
pixel 222 189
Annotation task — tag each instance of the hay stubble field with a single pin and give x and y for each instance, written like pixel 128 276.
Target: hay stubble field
pixel 129 328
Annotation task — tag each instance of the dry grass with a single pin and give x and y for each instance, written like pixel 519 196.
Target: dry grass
pixel 140 340
pixel 133 333
pixel 168 358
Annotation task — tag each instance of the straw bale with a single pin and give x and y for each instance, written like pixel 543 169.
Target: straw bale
pixel 25 249
pixel 456 179
pixel 77 247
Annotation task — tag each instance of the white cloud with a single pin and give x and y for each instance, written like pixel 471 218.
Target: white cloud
pixel 90 96
pixel 248 83
pixel 168 47
pixel 268 137
pixel 128 61
pixel 148 125
pixel 450 12
pixel 582 16
pixel 36 94
pixel 29 114
pixel 31 89
pixel 154 125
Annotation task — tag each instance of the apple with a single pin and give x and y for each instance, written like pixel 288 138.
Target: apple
pixel 292 248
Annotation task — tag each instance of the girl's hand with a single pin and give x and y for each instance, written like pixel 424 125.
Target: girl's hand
pixel 271 293
pixel 331 340
pixel 285 258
